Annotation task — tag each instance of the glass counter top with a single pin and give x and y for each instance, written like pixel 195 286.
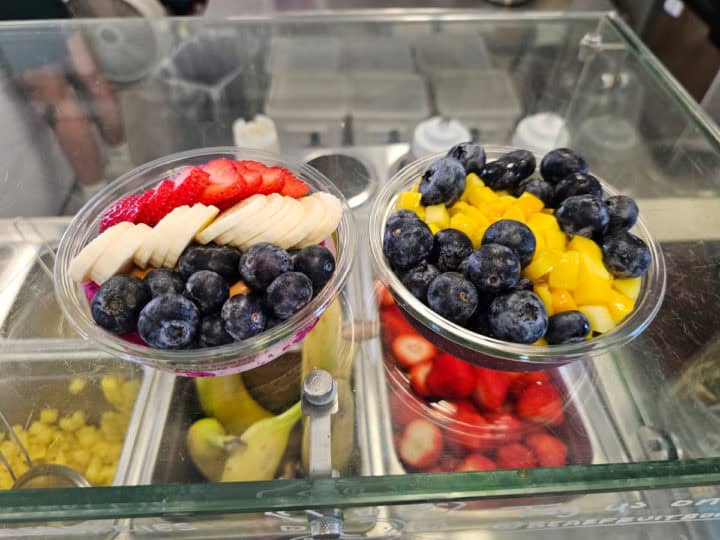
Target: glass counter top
pixel 87 100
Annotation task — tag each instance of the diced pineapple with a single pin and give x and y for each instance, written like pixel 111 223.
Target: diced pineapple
pixel 630 287
pixel 543 291
pixel 514 212
pixel 587 246
pixel 555 239
pixel 542 262
pixel 562 300
pixel 565 273
pixel 599 316
pixel 529 203
pixel 437 214
pixel 619 305
pixel 543 222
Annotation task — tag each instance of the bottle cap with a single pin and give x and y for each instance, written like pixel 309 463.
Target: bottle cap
pixel 438 134
pixel 258 133
pixel 541 133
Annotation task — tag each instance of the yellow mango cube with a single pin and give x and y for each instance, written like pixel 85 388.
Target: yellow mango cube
pixel 408 200
pixel 473 228
pixel 539 237
pixel 542 263
pixel 562 300
pixel 555 239
pixel 591 289
pixel 620 306
pixel 585 245
pixel 599 316
pixel 630 287
pixel 514 212
pixel 543 291
pixel 529 203
pixel 469 210
pixel 433 228
pixel 543 222
pixel 437 214
pixel 591 266
pixel 565 273
pixel 541 342
pixel 415 187
pixel 472 181
pixel 479 196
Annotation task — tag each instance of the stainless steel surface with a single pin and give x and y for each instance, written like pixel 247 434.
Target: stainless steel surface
pixel 50 476
pixel 319 403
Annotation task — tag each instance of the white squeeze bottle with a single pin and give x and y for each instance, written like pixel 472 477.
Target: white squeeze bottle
pixel 257 133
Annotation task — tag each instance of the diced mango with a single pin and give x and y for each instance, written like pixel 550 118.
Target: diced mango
pixel 587 246
pixel 465 208
pixel 472 181
pixel 543 222
pixel 619 305
pixel 630 287
pixel 539 237
pixel 408 200
pixel 415 187
pixel 562 300
pixel 565 273
pixel 589 265
pixel 543 291
pixel 433 228
pixel 479 196
pixel 437 214
pixel 474 228
pixel 514 212
pixel 542 262
pixel 529 203
pixel 541 342
pixel 599 316
pixel 555 239
pixel 591 289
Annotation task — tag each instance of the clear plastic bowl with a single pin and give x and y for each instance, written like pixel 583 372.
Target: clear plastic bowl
pixel 232 358
pixel 495 353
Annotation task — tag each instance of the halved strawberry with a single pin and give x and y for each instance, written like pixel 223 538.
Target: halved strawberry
pixel 294 187
pixel 525 379
pixel 540 403
pixel 491 388
pixel 504 428
pixel 451 378
pixel 515 456
pixel 411 349
pixel 471 433
pixel 273 180
pixel 126 209
pixel 550 451
pixel 418 379
pixel 476 462
pixel 421 444
pixel 189 185
pixel 404 408
pixel 393 324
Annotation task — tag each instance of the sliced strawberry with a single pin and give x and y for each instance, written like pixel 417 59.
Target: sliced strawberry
pixel 222 171
pixel 384 297
pixel 418 379
pixel 515 456
pixel 411 349
pixel 550 451
pixel 251 165
pixel 404 408
pixel 224 195
pixel 504 428
pixel 393 324
pixel 294 187
pixel 273 180
pixel 525 379
pixel 491 388
pixel 471 432
pixel 126 209
pixel 476 462
pixel 189 185
pixel 540 403
pixel 450 378
pixel 158 204
pixel 253 179
pixel 421 444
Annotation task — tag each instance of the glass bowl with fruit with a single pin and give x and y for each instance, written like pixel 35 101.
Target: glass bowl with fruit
pixel 515 262
pixel 205 262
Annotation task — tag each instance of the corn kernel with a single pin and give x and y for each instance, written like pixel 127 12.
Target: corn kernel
pixel 630 287
pixel 87 436
pixel 619 305
pixel 48 416
pixel 437 214
pixel 542 263
pixel 543 291
pixel 529 203
pixel 555 239
pixel 77 385
pixel 599 317
pixel 562 300
pixel 565 273
pixel 587 246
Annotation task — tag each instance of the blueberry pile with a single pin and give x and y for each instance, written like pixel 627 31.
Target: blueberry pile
pixel 483 289
pixel 192 307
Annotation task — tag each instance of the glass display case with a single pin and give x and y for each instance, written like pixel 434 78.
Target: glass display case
pixel 345 91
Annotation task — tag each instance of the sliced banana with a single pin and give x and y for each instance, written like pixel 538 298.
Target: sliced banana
pixel 178 217
pixel 248 228
pixel 83 262
pixel 242 211
pixel 333 213
pixel 146 249
pixel 199 217
pixel 117 258
pixel 285 221
pixel 269 216
pixel 313 212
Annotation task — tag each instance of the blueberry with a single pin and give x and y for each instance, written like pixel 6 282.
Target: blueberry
pixel 623 213
pixel 221 259
pixel 503 173
pixel 212 332
pixel 443 182
pixel 538 187
pixel 117 303
pixel 169 321
pixel 519 317
pixel 513 234
pixel 470 155
pixel 453 297
pixel 317 263
pixel 417 279
pixel 288 294
pixel 561 163
pixel 577 184
pixel 480 320
pixel 407 243
pixel 208 290
pixel 493 268
pixel 584 215
pixel 164 281
pixel 401 215
pixel 567 327
pixel 262 263
pixel 242 316
pixel 524 284
pixel 450 247
pixel 292 253
pixel 626 255
pixel 526 162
